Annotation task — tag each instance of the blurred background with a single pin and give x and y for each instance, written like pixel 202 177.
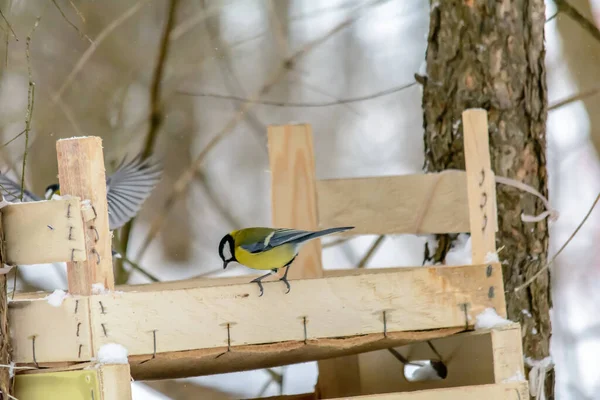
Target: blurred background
pixel 94 66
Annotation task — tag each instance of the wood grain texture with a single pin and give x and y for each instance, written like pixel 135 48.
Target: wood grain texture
pixel 40 232
pixel 507 391
pixel 6 381
pixel 481 185
pixel 61 333
pixel 344 306
pixel 472 358
pixel 293 191
pixel 81 173
pixel 416 204
pixel 115 381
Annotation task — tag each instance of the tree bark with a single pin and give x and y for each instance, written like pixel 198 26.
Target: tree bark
pixel 5 346
pixel 490 54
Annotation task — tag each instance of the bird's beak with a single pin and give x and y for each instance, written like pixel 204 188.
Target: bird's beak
pixel 225 264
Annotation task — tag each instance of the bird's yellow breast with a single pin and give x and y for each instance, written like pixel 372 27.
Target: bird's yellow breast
pixel 271 259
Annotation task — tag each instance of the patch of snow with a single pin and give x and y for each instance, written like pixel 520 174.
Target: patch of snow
pixel 491 257
pixel 489 319
pixel 526 313
pixel 112 353
pixel 460 253
pixel 518 377
pixel 432 243
pixel 56 298
pixel 98 288
pixel 534 331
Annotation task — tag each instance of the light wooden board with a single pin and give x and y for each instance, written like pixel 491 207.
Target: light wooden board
pixel 81 173
pixel 416 204
pixel 507 391
pixel 195 318
pixel 481 185
pixel 41 232
pixel 100 382
pixel 472 358
pixel 61 333
pixel 293 192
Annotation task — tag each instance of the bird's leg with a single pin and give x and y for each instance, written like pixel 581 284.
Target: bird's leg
pixel 260 278
pixel 284 278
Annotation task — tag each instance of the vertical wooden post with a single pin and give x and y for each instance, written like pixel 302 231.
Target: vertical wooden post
pixel 294 192
pixel 5 347
pixel 481 185
pixel 294 205
pixel 81 173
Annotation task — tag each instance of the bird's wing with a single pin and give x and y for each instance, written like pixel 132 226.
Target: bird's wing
pixel 11 191
pixel 129 187
pixel 277 238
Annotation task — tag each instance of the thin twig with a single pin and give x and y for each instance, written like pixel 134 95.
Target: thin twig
pixel 30 100
pixel 563 6
pixel 363 262
pixel 139 269
pixel 186 177
pixel 303 105
pixel 71 23
pixel 14 138
pixel 79 14
pixel 94 45
pixel 534 277
pixel 9 25
pixel 574 98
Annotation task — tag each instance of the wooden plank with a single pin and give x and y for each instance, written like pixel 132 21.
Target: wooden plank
pixel 415 299
pixel 102 382
pixel 41 232
pixel 293 193
pixel 481 185
pixel 472 358
pixel 81 173
pixel 416 204
pixel 506 391
pixel 115 382
pixel 61 333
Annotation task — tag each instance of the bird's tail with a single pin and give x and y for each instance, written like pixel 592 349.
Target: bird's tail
pixel 325 232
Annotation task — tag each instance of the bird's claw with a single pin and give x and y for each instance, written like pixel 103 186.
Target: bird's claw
pixel 287 284
pixel 260 287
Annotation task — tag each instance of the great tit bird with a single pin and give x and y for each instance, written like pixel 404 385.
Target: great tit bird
pixel 267 248
pixel 126 189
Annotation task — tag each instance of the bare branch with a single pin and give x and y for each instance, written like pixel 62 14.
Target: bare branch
pixel 90 50
pixel 574 98
pixel 303 105
pixel 9 26
pixel 79 14
pixel 81 34
pixel 537 274
pixel 14 138
pixel 564 7
pixel 374 247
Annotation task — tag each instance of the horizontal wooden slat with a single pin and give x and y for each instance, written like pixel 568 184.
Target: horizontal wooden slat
pixel 43 232
pixel 473 358
pixel 195 319
pixel 416 204
pixel 61 333
pixel 506 391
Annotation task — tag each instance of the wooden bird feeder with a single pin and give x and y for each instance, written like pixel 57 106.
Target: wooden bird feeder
pixel 345 319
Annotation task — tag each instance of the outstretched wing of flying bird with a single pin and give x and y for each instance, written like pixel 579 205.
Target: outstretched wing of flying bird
pixel 11 191
pixel 129 187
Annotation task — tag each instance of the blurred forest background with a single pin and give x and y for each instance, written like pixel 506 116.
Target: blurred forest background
pixel 346 67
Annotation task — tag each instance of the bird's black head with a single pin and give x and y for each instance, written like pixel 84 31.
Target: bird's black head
pixel 228 242
pixel 51 189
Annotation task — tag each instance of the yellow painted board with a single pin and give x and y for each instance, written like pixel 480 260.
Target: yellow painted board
pixel 69 385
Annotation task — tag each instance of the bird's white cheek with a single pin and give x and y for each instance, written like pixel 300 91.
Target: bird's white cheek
pixel 227 253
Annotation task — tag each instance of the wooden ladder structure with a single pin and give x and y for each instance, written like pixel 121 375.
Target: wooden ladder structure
pixel 345 319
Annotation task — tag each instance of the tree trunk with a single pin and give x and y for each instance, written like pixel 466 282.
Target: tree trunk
pixel 491 55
